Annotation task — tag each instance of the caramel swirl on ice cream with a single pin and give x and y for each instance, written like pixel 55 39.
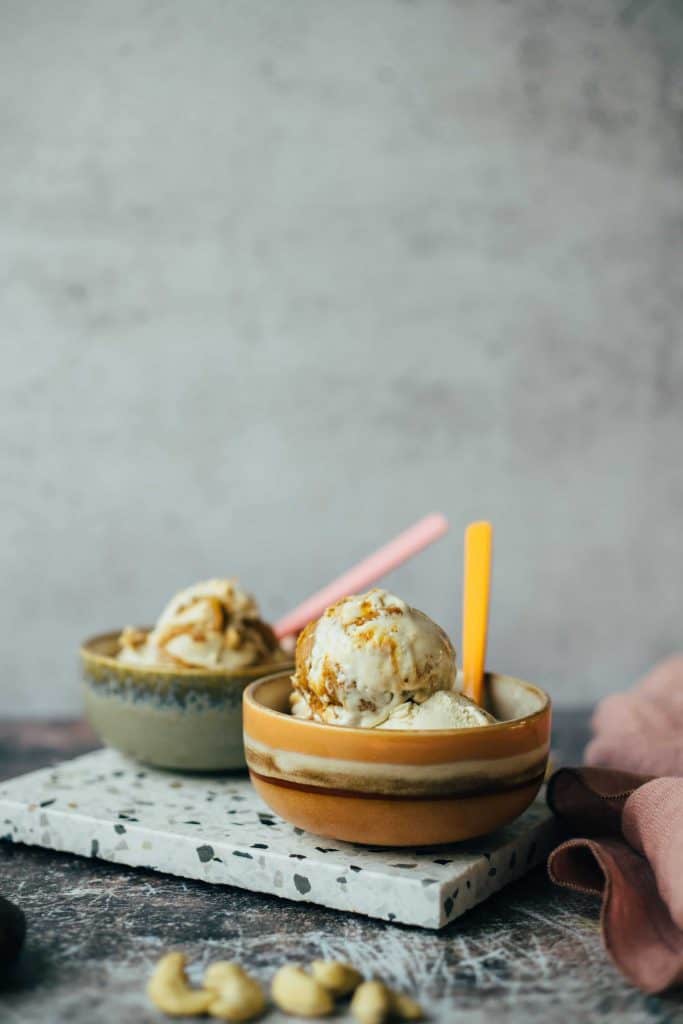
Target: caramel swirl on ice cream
pixel 373 662
pixel 214 624
pixel 365 656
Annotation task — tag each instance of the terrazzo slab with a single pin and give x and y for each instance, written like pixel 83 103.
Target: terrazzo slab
pixel 215 828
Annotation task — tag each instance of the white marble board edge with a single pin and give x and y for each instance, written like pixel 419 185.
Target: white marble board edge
pixel 93 806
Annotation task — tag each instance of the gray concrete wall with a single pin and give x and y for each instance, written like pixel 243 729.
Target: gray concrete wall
pixel 278 278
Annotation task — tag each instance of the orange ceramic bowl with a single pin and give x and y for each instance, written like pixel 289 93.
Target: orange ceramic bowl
pixel 398 787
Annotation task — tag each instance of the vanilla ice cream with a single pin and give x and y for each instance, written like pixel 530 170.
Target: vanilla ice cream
pixel 214 624
pixel 367 655
pixel 445 709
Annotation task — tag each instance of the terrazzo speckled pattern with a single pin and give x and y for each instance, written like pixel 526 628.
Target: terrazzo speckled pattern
pixel 216 829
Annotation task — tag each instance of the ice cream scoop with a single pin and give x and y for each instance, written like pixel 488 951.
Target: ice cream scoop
pixel 213 624
pixel 366 655
pixel 445 709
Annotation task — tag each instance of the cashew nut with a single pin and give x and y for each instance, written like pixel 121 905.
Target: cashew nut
pixel 221 972
pixel 338 978
pixel 372 1003
pixel 170 990
pixel 236 995
pixel 298 993
pixel 406 1008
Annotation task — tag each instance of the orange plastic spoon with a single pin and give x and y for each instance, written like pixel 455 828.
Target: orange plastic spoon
pixel 475 613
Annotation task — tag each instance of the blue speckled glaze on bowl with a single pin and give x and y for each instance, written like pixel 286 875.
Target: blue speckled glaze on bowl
pixel 169 717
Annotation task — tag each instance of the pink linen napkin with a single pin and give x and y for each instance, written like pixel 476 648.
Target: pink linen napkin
pixel 642 730
pixel 631 826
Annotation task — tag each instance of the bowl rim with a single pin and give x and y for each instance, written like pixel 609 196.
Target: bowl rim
pixel 394 735
pixel 88 654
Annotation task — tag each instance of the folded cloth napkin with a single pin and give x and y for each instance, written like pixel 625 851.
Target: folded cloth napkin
pixel 640 731
pixel 631 824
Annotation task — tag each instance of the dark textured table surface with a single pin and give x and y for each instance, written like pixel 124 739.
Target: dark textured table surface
pixel 530 953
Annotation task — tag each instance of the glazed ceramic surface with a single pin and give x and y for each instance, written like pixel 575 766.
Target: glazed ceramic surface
pixel 172 718
pixel 400 787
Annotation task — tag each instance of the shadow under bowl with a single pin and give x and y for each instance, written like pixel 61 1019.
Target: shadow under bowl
pixel 398 787
pixel 168 717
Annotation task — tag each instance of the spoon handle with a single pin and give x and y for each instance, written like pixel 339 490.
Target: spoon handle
pixel 475 618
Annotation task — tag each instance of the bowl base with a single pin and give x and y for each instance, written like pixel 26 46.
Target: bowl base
pixel 404 821
pixel 207 739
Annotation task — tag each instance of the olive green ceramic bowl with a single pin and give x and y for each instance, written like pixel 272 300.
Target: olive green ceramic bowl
pixel 168 717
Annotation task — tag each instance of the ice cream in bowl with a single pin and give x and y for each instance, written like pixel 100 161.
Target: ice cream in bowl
pixel 372 740
pixel 171 695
